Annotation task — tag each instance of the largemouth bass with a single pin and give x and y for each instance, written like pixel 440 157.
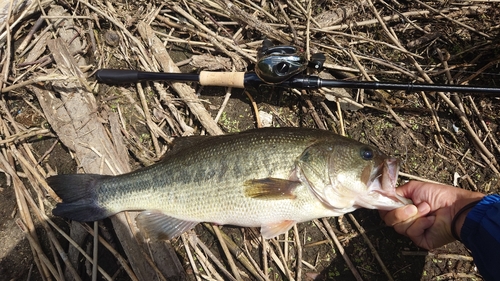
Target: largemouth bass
pixel 270 178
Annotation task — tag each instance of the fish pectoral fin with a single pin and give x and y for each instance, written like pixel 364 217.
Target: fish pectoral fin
pixel 269 231
pixel 158 226
pixel 271 188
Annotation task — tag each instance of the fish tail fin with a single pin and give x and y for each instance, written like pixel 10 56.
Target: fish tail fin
pixel 79 197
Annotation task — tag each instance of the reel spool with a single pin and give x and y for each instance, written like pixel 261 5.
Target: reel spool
pixel 276 64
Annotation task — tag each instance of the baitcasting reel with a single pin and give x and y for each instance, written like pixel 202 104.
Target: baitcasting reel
pixel 276 64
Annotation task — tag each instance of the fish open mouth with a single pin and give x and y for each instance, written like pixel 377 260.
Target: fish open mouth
pixel 383 181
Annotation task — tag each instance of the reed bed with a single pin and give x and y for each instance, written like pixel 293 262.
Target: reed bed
pixel 55 118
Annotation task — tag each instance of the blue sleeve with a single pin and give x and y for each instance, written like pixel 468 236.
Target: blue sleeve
pixel 481 234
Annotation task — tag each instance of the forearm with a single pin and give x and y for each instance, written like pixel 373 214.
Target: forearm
pixel 480 232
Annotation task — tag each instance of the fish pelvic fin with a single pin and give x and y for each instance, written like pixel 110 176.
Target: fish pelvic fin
pixel 79 197
pixel 271 188
pixel 271 230
pixel 158 226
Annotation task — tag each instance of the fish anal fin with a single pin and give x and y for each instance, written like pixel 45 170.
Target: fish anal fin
pixel 271 230
pixel 158 226
pixel 271 188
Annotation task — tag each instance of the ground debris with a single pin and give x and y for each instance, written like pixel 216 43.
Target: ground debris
pixel 55 118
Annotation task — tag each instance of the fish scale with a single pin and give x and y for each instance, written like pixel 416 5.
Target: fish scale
pixel 270 178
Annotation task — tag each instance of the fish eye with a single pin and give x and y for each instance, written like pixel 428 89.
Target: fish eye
pixel 367 153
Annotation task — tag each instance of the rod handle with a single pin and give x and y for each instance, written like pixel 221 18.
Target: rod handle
pixel 117 76
pixel 223 79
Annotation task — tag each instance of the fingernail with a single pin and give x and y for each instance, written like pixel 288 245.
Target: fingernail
pixel 410 210
pixel 424 208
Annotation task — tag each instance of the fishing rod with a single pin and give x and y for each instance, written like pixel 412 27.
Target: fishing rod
pixel 280 66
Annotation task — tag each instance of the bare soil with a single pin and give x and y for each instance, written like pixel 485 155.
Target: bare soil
pixel 435 139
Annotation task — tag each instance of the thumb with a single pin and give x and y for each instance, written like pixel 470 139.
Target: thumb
pixel 399 215
pixel 408 189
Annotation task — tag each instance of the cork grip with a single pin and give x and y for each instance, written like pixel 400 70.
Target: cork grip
pixel 225 79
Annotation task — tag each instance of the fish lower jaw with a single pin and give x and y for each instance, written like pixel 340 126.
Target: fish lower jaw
pixel 379 200
pixel 398 200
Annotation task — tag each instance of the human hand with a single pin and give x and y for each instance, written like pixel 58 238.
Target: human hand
pixel 428 222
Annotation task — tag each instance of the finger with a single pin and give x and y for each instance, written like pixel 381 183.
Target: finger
pixel 406 213
pixel 382 214
pixel 399 215
pixel 401 227
pixel 419 226
pixel 423 209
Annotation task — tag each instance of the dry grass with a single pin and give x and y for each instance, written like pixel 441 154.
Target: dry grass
pixel 50 50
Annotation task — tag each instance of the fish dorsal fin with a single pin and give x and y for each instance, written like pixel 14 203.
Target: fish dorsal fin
pixel 271 188
pixel 271 230
pixel 158 226
pixel 182 143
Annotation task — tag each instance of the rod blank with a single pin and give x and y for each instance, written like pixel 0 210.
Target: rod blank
pixel 250 79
